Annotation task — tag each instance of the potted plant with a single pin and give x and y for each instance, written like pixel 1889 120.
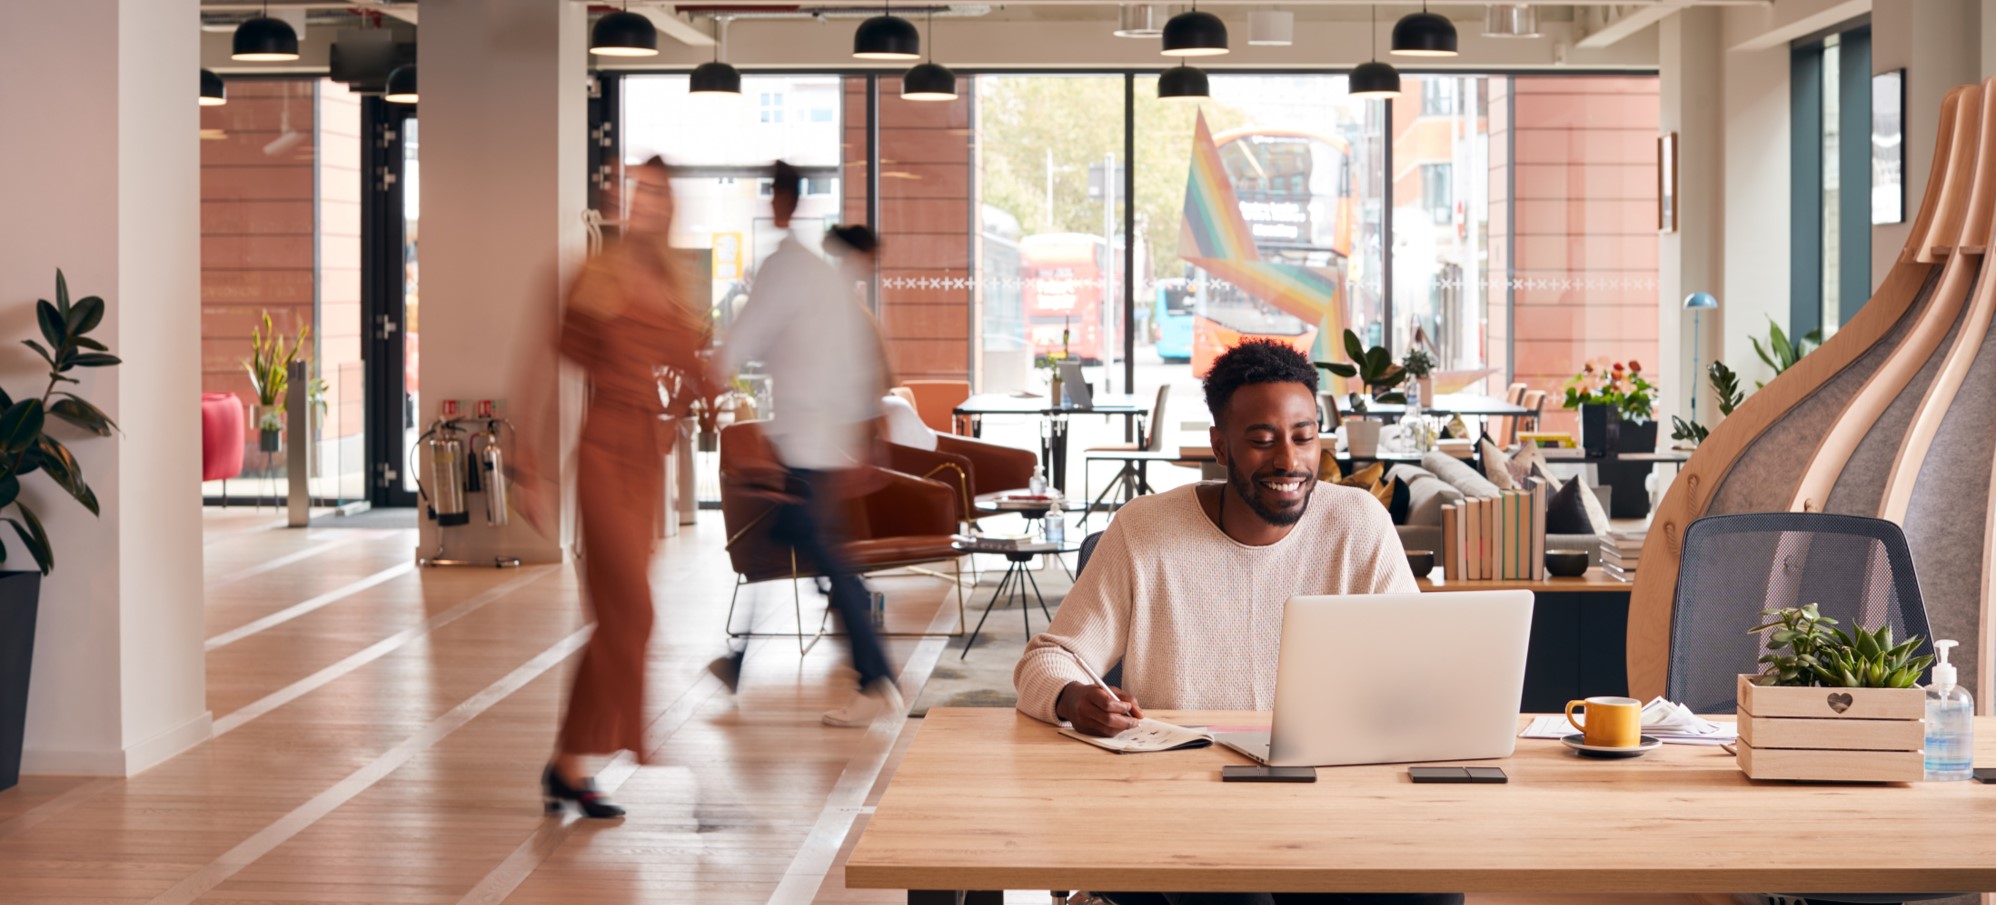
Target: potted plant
pixel 269 371
pixel 1833 706
pixel 1616 405
pixel 1377 375
pixel 26 447
pixel 1420 367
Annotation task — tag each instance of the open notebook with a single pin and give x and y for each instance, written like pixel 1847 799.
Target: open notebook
pixel 1147 736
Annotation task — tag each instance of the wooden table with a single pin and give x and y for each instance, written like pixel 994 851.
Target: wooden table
pixel 991 799
pixel 1053 443
pixel 1580 634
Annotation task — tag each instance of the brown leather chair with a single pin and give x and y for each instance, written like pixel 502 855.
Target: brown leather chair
pixel 974 468
pixel 892 520
pixel 936 402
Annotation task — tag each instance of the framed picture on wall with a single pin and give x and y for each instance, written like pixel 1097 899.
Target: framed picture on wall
pixel 1888 147
pixel 1666 182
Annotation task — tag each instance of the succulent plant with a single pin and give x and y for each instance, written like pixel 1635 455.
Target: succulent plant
pixel 1819 654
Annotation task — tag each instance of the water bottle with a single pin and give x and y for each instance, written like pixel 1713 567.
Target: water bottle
pixel 879 609
pixel 1038 485
pixel 1950 723
pixel 1055 524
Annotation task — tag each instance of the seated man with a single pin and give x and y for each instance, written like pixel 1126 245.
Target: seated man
pixel 1186 588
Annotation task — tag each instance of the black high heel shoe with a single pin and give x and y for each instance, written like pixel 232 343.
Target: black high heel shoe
pixel 555 793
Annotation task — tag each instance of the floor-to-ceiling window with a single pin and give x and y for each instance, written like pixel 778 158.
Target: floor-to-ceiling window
pixel 1830 93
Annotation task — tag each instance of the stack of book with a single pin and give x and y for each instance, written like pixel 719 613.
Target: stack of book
pixel 1501 538
pixel 1619 551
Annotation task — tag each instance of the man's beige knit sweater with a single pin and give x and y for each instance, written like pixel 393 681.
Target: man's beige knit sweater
pixel 1195 616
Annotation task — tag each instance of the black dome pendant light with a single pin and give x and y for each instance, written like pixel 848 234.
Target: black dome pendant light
pixel 624 34
pixel 886 37
pixel 929 81
pixel 1424 34
pixel 264 40
pixel 716 77
pixel 401 85
pixel 1195 34
pixel 1374 79
pixel 213 92
pixel 1182 83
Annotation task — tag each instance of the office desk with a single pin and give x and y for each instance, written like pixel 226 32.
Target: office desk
pixel 990 799
pixel 1580 629
pixel 1053 442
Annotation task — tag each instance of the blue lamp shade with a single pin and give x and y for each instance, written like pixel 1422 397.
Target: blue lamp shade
pixel 401 86
pixel 929 82
pixel 213 92
pixel 714 78
pixel 1375 79
pixel 1698 300
pixel 623 34
pixel 886 38
pixel 1195 34
pixel 1424 34
pixel 1182 83
pixel 264 40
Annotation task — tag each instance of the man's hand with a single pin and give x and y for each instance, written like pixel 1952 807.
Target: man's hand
pixel 1094 711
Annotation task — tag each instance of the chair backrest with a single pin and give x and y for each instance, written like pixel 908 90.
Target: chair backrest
pixel 1087 549
pixel 1535 402
pixel 1857 571
pixel 1516 394
pixel 937 400
pixel 1154 440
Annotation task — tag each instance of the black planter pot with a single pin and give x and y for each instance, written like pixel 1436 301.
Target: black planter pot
pixel 1599 425
pixel 20 593
pixel 267 441
pixel 1635 437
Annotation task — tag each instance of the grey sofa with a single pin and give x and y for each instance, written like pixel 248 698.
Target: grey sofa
pixel 1450 482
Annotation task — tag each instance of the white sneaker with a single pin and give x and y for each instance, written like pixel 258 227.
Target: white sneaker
pixel 879 698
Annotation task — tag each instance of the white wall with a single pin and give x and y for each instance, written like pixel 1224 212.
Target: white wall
pixel 1757 228
pixel 1938 43
pixel 1692 259
pixel 102 179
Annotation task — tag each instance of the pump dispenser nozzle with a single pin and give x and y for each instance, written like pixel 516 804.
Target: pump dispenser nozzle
pixel 1944 673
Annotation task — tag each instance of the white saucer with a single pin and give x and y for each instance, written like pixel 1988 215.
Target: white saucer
pixel 1648 744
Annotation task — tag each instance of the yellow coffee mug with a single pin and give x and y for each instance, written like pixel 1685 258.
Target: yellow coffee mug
pixel 1611 722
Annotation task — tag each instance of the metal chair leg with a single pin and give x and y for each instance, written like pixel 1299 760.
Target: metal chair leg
pixel 1043 602
pixel 1002 583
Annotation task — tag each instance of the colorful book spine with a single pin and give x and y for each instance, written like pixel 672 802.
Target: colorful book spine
pixel 1448 542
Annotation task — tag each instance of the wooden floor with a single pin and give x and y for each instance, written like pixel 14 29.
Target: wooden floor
pixel 380 731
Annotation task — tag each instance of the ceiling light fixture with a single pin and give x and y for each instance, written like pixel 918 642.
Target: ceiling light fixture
pixel 1271 28
pixel 264 40
pixel 1510 20
pixel 1182 83
pixel 1195 34
pixel 213 92
pixel 1424 34
pixel 716 77
pixel 1374 79
pixel 401 85
pixel 1139 20
pixel 886 37
pixel 929 81
pixel 624 34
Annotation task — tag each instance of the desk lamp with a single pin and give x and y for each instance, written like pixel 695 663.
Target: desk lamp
pixel 1696 303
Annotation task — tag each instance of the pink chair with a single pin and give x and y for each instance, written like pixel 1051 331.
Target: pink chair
pixel 221 437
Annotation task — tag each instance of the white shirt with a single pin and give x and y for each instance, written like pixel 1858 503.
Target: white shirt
pixel 804 323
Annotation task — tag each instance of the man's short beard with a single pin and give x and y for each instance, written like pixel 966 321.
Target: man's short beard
pixel 1244 487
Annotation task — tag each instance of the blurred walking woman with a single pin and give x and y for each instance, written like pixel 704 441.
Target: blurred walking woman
pixel 624 321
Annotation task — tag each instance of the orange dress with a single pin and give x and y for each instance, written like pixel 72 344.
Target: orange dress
pixel 623 322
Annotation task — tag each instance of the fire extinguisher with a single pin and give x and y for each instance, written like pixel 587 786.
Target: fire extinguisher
pixel 445 491
pixel 491 464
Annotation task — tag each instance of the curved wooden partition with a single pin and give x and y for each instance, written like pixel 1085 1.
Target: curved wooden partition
pixel 1894 416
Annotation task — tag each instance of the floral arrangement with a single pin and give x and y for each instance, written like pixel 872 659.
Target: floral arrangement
pixel 1613 383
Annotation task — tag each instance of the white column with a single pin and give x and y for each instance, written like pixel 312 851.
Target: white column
pixel 102 179
pixel 503 125
pixel 1691 258
pixel 1755 188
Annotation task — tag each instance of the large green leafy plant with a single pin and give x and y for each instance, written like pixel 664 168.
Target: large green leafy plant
pixel 1818 654
pixel 1726 385
pixel 269 367
pixel 1374 369
pixel 24 446
pixel 1779 353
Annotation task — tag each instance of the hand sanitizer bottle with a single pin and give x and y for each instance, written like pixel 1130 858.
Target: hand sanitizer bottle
pixel 1950 723
pixel 1054 525
pixel 1038 485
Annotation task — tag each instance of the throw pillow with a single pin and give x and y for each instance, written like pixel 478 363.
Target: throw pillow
pixel 1571 506
pixel 1402 503
pixel 1426 494
pixel 1525 461
pixel 1459 475
pixel 1327 467
pixel 1496 465
pixel 904 424
pixel 1371 479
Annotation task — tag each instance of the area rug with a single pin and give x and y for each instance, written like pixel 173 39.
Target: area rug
pixel 983 678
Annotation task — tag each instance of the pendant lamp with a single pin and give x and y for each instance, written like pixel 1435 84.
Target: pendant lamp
pixel 1424 34
pixel 624 34
pixel 1182 83
pixel 886 37
pixel 1195 34
pixel 716 77
pixel 265 40
pixel 1374 79
pixel 213 92
pixel 401 85
pixel 1510 20
pixel 929 81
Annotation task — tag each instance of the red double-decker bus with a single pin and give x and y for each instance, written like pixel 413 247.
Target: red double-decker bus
pixel 1065 277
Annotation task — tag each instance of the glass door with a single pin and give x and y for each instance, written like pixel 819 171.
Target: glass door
pixel 392 210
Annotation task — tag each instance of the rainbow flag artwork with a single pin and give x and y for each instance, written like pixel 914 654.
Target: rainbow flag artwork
pixel 1215 237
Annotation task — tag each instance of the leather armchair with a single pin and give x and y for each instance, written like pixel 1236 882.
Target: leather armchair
pixel 972 467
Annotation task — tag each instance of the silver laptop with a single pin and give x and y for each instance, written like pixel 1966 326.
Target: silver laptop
pixel 1395 678
pixel 1076 387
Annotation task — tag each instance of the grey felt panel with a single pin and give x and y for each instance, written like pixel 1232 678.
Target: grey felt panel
pixel 1945 517
pixel 1764 477
pixel 1860 489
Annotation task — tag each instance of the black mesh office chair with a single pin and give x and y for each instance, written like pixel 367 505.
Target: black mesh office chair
pixel 1858 571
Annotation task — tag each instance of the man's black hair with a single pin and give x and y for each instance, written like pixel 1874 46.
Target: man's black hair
pixel 856 236
pixel 785 181
pixel 1256 361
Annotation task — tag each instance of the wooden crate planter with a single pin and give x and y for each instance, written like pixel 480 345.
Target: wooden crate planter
pixel 1832 734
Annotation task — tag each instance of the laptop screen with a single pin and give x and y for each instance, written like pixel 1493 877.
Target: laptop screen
pixel 1074 385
